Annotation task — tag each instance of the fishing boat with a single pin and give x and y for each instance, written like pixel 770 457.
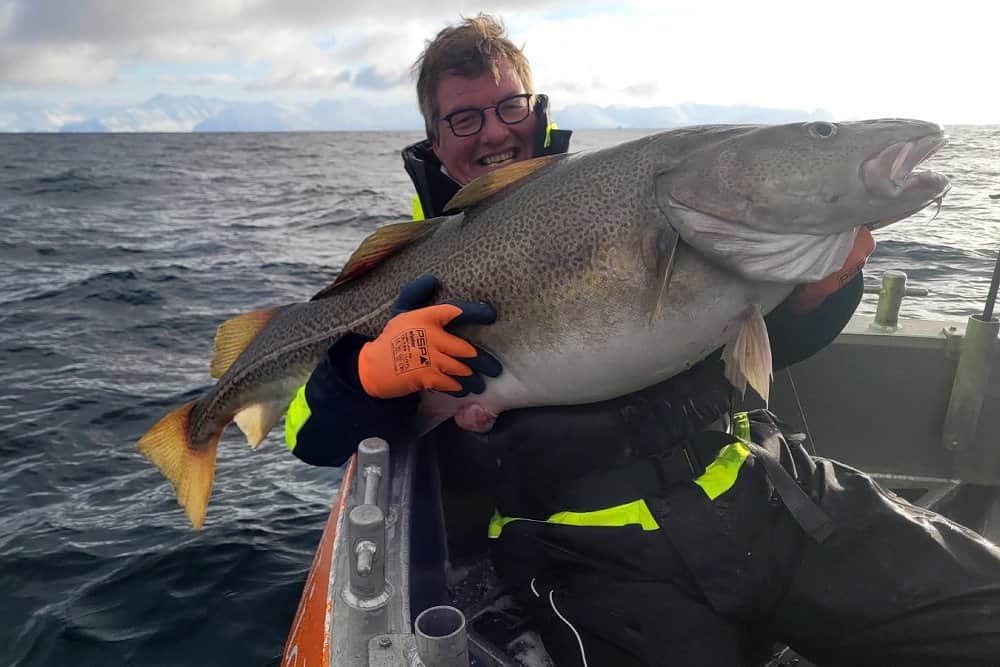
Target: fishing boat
pixel 401 577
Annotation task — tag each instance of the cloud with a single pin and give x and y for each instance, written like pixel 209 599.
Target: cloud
pixel 577 87
pixel 291 37
pixel 313 79
pixel 125 21
pixel 391 47
pixel 196 80
pixel 647 89
pixel 79 65
pixel 6 16
pixel 777 54
pixel 110 22
pixel 370 77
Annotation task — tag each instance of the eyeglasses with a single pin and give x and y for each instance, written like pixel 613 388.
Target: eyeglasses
pixel 510 110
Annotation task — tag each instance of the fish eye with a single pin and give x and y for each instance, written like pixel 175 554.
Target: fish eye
pixel 822 129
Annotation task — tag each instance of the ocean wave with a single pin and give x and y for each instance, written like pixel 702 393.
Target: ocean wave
pixel 71 180
pixel 113 286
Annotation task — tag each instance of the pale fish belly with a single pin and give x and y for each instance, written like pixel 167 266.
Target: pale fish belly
pixel 596 369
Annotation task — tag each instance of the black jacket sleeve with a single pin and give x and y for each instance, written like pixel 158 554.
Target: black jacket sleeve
pixel 342 414
pixel 798 336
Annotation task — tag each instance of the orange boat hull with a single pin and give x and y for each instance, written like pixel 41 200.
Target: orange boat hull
pixel 308 642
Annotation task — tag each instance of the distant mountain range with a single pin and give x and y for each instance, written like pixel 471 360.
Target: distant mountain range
pixel 590 116
pixel 192 113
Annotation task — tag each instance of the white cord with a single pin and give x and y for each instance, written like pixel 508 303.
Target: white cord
pixel 583 654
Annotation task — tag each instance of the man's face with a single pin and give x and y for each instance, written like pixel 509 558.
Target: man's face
pixel 497 144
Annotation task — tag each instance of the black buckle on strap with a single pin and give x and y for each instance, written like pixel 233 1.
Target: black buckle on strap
pixel 688 459
pixel 681 464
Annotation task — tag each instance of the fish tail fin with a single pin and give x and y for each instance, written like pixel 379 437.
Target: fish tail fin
pixel 748 358
pixel 189 468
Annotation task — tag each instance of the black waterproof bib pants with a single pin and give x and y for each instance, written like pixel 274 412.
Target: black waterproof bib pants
pixel 724 579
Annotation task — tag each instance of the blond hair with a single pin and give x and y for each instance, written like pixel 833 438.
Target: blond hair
pixel 474 46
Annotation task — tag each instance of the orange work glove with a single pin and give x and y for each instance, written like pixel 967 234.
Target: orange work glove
pixel 807 298
pixel 416 352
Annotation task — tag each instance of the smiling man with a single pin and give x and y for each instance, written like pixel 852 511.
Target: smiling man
pixel 480 110
pixel 477 143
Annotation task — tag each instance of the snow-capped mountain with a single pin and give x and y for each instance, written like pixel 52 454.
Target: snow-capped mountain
pixel 192 113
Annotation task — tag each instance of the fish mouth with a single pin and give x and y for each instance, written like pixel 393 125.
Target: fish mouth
pixel 890 174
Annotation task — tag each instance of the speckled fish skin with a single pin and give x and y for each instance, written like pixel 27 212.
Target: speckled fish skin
pixel 573 259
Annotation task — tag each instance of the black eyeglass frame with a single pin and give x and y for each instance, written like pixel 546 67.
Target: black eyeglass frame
pixel 482 114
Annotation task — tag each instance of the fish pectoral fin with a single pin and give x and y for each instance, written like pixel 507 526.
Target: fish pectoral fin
pixel 748 358
pixel 658 252
pixel 257 419
pixel 234 335
pixel 379 246
pixel 489 184
pixel 189 468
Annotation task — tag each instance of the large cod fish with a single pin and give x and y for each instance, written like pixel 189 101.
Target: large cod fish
pixel 610 271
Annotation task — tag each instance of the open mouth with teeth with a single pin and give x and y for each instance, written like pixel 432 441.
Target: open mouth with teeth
pixel 890 174
pixel 498 159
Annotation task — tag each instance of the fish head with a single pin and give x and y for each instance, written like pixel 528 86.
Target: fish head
pixel 784 202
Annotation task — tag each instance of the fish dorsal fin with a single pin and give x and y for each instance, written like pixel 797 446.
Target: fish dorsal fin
pixel 489 184
pixel 748 358
pixel 382 244
pixel 234 335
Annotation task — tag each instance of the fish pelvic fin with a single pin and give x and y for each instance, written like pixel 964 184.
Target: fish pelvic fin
pixel 382 244
pixel 234 335
pixel 257 419
pixel 489 184
pixel 748 357
pixel 189 468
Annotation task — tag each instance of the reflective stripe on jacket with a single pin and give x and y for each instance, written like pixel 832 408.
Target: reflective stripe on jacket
pixel 719 477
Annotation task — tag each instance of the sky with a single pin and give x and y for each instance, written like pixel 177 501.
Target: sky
pixel 935 61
